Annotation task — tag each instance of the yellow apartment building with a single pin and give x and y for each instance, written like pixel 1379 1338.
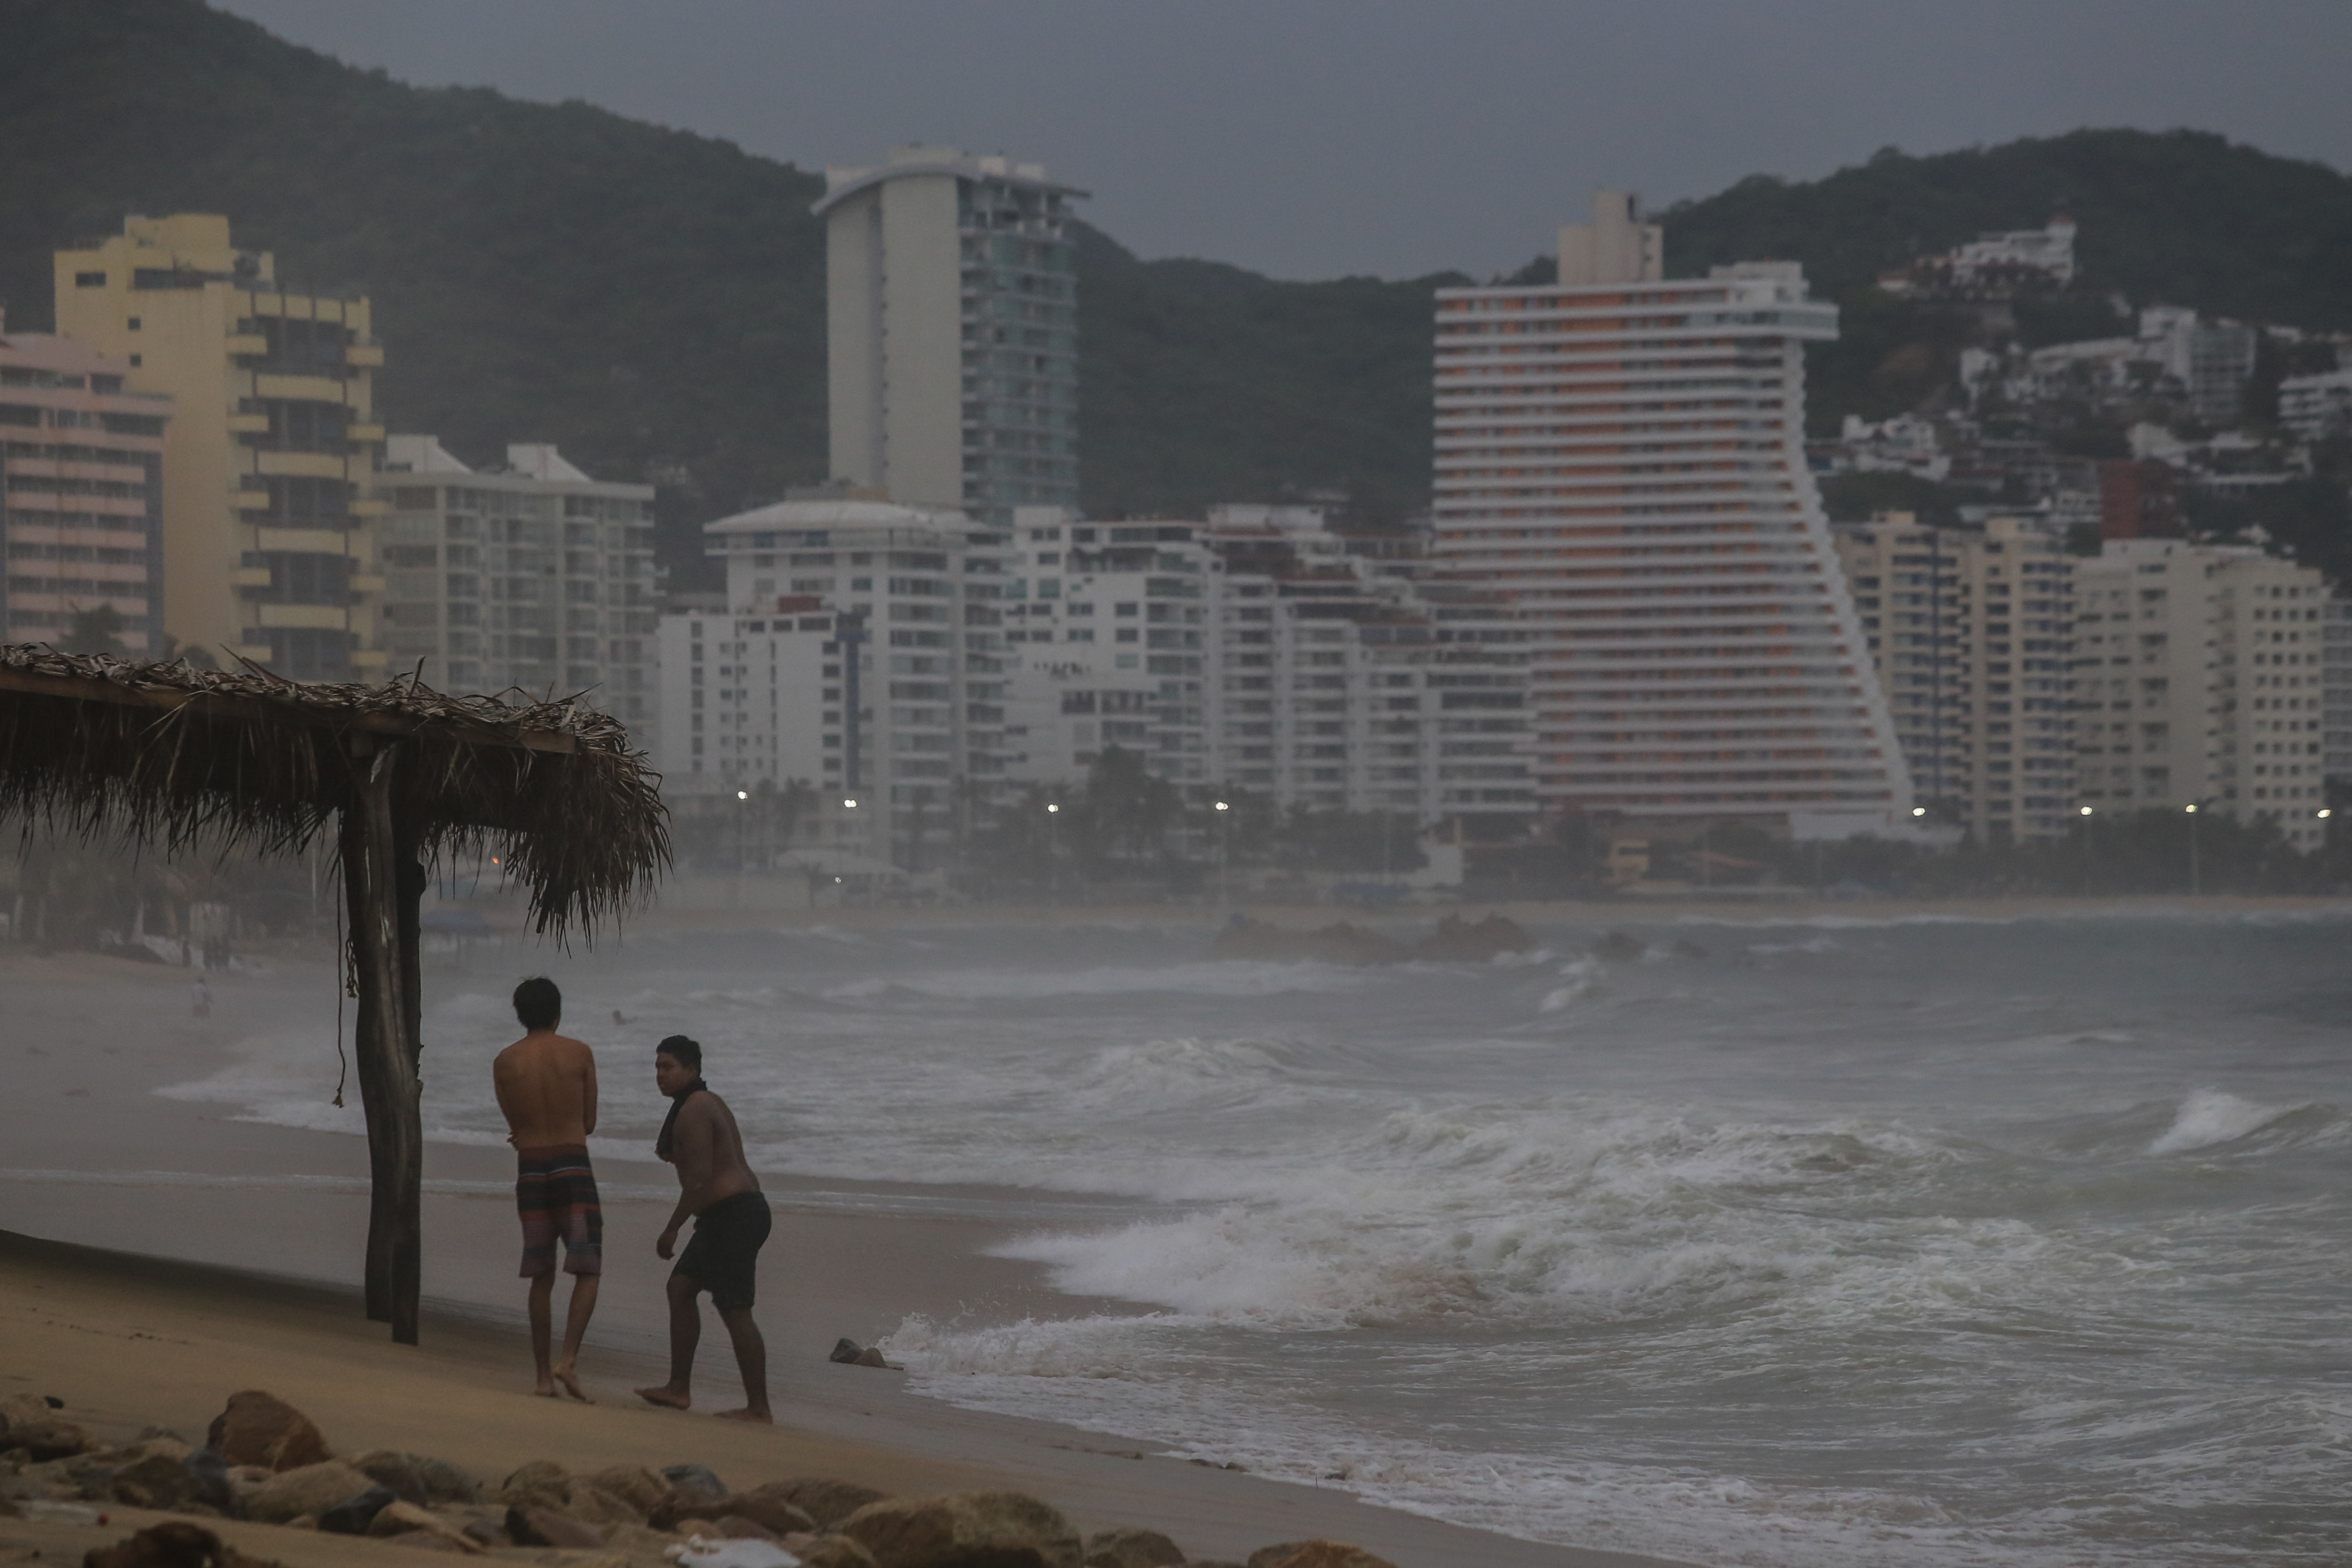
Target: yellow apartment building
pixel 268 551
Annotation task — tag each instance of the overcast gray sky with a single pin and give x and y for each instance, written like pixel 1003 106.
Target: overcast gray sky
pixel 1313 138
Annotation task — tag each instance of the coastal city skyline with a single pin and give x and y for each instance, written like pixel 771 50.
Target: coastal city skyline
pixel 1291 789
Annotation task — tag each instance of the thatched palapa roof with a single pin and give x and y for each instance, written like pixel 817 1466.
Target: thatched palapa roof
pixel 168 754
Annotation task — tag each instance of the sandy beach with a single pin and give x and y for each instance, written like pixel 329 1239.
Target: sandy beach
pixel 159 1255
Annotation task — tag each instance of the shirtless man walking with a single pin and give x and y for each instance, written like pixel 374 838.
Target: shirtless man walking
pixel 546 1084
pixel 719 1192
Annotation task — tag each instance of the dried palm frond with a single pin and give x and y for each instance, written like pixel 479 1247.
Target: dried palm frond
pixel 168 755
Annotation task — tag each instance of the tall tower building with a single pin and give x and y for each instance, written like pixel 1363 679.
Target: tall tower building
pixel 952 333
pixel 1621 458
pixel 268 551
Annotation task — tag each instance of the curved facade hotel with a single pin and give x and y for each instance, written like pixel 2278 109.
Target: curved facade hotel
pixel 1623 457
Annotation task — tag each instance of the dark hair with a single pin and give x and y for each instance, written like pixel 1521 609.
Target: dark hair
pixel 538 1003
pixel 688 1052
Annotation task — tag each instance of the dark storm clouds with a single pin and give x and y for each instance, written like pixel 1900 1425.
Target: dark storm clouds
pixel 1310 137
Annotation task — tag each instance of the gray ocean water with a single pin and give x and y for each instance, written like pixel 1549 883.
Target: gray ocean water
pixel 1843 1242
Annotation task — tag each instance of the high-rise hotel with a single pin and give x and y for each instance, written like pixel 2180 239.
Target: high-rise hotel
pixel 1621 457
pixel 269 549
pixel 951 302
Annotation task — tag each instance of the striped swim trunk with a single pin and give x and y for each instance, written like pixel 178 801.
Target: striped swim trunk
pixel 555 1194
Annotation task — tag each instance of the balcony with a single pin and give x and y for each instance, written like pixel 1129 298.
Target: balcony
pixel 374 433
pixel 302 465
pixel 249 499
pixel 367 582
pixel 248 423
pixel 249 577
pixel 247 345
pixel 363 355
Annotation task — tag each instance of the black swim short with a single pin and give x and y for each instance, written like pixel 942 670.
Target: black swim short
pixel 722 1255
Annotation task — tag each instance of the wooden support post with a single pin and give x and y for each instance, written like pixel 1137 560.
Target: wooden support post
pixel 385 1045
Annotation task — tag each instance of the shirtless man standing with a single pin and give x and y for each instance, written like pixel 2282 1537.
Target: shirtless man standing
pixel 719 1192
pixel 546 1084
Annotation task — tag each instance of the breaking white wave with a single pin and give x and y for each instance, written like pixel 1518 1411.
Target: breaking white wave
pixel 2210 1117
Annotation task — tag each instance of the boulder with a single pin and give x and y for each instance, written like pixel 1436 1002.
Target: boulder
pixel 601 1509
pixel 1316 1554
pixel 259 1429
pixel 1617 946
pixel 633 1484
pixel 965 1530
pixel 158 1481
pixel 829 1551
pixel 396 1471
pixel 50 1437
pixel 22 1409
pixel 354 1514
pixel 175 1543
pixel 1457 940
pixel 400 1517
pixel 847 1351
pixel 828 1502
pixel 208 1480
pixel 313 1490
pixel 770 1507
pixel 640 1547
pixel 1131 1548
pixel 694 1478
pixel 533 1526
pixel 542 1483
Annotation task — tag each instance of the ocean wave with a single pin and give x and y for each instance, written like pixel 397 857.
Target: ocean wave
pixel 2210 1117
pixel 1232 979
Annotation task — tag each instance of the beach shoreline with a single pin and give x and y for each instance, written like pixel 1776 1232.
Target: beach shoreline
pixel 157 1254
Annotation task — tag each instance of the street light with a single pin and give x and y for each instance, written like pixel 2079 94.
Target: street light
pixel 1225 843
pixel 1919 811
pixel 2086 811
pixel 2196 878
pixel 849 806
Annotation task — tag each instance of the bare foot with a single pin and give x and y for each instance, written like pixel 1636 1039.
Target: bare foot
pixel 747 1414
pixel 545 1391
pixel 666 1396
pixel 569 1381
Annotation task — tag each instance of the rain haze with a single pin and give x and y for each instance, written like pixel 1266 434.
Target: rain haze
pixel 1329 138
pixel 1167 800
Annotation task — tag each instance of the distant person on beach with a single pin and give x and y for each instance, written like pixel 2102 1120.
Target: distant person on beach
pixel 200 998
pixel 546 1084
pixel 718 1191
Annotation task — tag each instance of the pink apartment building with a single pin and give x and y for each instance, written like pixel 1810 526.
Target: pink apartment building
pixel 82 520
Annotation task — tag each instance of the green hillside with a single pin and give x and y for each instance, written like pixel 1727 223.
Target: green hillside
pixel 654 301
pixel 2185 218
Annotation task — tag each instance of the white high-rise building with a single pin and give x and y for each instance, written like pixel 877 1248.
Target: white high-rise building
pixel 2201 678
pixel 858 654
pixel 1620 458
pixel 952 331
pixel 530 575
pixel 1256 653
pixel 1972 634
